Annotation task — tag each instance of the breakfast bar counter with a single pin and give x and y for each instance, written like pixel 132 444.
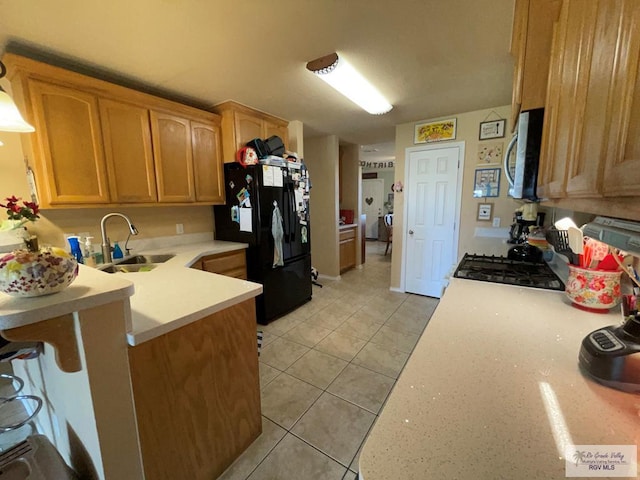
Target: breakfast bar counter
pixel 493 390
pixel 173 295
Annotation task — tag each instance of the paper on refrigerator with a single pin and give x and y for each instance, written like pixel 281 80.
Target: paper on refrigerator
pixel 246 224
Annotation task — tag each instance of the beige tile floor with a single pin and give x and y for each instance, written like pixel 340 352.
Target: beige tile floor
pixel 326 370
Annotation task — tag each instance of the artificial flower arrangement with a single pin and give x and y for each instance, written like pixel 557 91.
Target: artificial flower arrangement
pixel 18 215
pixel 30 272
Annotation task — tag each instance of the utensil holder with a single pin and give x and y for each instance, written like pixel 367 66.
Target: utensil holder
pixel 593 290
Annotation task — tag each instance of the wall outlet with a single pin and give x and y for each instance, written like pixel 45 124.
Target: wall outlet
pixel 496 222
pixel 179 228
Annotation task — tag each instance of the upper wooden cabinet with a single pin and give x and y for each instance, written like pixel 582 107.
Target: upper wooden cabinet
pixel 127 145
pixel 241 124
pixel 590 159
pixel 99 144
pixel 207 161
pixel 531 46
pixel 622 157
pixel 70 146
pixel 173 157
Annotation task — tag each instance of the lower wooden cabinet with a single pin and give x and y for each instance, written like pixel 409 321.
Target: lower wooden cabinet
pixel 231 264
pixel 197 395
pixel 348 248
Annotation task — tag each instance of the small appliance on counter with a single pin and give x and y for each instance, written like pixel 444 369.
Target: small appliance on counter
pixel 524 218
pixel 611 355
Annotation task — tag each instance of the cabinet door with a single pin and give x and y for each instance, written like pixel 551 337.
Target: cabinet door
pixel 207 162
pixel 173 157
pixel 597 46
pixel 127 143
pixel 622 166
pixel 552 171
pixel 247 128
pixel 70 145
pixel 531 47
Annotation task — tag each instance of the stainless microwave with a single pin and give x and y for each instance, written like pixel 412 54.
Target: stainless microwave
pixel 523 156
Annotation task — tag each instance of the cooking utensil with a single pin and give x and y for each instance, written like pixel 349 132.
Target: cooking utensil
pixel 576 241
pixel 559 239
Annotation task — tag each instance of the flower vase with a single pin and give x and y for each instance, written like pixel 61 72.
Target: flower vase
pixel 31 274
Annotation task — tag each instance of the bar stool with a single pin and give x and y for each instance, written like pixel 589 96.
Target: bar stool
pixel 388 222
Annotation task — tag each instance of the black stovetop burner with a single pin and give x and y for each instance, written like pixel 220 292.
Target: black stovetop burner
pixel 512 272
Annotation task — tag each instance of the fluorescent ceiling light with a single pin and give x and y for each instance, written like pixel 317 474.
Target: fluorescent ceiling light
pixel 10 118
pixel 338 73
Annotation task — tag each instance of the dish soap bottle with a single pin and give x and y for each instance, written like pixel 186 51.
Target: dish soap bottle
pixel 117 251
pixel 74 242
pixel 89 255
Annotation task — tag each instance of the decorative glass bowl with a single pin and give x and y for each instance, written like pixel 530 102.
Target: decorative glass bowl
pixel 593 290
pixel 31 274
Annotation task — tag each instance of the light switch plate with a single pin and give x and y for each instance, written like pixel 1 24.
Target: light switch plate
pixel 496 222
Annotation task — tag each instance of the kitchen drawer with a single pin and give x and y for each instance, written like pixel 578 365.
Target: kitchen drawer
pixel 232 264
pixel 347 234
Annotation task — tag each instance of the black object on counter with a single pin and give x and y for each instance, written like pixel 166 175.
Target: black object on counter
pixel 526 253
pixel 611 355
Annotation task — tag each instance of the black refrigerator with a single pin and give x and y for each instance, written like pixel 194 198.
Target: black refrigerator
pixel 252 194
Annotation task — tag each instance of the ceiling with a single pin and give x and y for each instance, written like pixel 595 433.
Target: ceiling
pixel 429 58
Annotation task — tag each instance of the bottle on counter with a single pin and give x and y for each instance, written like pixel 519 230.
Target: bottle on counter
pixel 117 251
pixel 89 254
pixel 74 242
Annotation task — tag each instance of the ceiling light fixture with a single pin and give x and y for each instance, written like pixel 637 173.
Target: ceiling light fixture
pixel 338 73
pixel 10 118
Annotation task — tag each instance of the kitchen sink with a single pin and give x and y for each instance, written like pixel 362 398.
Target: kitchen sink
pixel 119 268
pixel 146 259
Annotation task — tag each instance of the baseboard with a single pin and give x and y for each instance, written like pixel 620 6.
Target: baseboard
pixel 396 289
pixel 328 277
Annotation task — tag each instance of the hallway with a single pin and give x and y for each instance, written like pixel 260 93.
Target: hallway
pixel 326 370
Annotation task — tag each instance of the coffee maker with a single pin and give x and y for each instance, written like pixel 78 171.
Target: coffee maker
pixel 524 218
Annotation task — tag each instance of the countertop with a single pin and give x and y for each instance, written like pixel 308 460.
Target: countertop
pixel 173 295
pixel 493 390
pixel 166 298
pixel 347 226
pixel 89 289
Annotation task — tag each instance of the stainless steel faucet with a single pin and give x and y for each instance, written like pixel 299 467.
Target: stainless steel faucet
pixel 106 245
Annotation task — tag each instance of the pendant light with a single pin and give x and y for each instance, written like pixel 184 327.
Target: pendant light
pixel 339 73
pixel 10 118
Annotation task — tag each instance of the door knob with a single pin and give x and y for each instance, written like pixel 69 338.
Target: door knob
pixel 410 232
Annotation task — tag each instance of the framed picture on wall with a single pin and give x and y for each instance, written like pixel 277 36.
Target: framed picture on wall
pixel 435 131
pixel 492 129
pixel 487 183
pixel 485 211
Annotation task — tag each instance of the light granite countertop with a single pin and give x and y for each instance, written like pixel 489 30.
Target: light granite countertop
pixel 493 390
pixel 166 298
pixel 89 289
pixel 173 295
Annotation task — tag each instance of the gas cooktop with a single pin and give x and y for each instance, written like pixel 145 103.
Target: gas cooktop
pixel 512 272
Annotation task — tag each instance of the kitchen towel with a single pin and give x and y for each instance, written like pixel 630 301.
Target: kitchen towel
pixel 277 232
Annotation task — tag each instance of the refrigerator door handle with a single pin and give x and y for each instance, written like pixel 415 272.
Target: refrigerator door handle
pixel 293 212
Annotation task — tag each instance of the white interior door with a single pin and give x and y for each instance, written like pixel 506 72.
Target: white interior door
pixel 431 219
pixel 372 203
